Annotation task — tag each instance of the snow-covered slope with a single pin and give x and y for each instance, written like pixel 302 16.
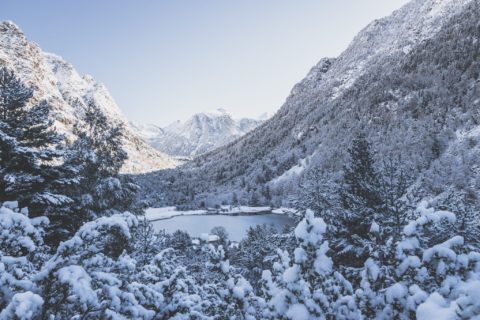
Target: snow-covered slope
pixel 201 133
pixel 56 80
pixel 409 82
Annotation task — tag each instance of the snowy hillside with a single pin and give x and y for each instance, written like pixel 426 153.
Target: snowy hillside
pixel 68 92
pixel 407 82
pixel 201 133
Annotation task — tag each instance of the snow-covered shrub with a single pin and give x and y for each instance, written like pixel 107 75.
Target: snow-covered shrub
pixel 169 289
pixel 21 251
pixel 92 275
pixel 428 279
pixel 231 294
pixel 306 286
pixel 447 272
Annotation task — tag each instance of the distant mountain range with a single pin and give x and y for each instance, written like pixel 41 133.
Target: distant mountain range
pixel 201 133
pixel 57 81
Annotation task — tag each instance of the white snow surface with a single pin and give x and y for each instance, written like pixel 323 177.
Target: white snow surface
pixel 436 307
pixel 427 214
pixel 294 171
pixel 79 281
pixel 396 292
pixel 23 306
pixel 153 214
pixel 10 220
pixel 298 312
pixel 209 237
pixel 310 229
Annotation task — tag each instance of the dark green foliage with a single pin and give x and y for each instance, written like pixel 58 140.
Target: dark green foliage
pixel 398 203
pixel 29 150
pixel 360 193
pixel 361 201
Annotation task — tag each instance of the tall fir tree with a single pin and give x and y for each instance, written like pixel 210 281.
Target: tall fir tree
pixel 362 202
pixel 29 148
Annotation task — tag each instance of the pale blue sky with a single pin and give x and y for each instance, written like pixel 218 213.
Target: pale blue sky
pixel 165 60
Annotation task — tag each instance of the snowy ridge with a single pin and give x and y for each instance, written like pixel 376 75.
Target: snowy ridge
pixel 415 22
pixel 384 84
pixel 201 133
pixel 67 92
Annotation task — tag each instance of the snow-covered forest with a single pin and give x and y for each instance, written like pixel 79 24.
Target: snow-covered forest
pixel 72 246
pixel 377 151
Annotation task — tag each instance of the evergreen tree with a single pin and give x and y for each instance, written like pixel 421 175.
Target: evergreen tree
pixel 180 241
pixel 318 194
pixel 362 202
pixel 256 252
pixel 233 295
pixel 29 149
pixel 465 205
pixel 395 179
pixel 93 165
pixel 146 242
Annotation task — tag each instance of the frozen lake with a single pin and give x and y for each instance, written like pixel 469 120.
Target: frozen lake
pixel 236 226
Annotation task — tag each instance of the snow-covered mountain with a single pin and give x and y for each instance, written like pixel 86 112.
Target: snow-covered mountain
pixel 67 92
pixel 409 82
pixel 201 133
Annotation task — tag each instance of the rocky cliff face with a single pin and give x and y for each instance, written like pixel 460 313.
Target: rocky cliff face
pixel 57 81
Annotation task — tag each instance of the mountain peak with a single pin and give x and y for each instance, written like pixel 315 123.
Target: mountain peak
pixel 218 112
pixel 10 27
pixel 201 133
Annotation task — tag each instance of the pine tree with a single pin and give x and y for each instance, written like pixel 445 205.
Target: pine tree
pixel 147 243
pixel 21 251
pixel 318 194
pixel 362 202
pixel 29 149
pixel 255 252
pixel 465 204
pixel 395 179
pixel 93 165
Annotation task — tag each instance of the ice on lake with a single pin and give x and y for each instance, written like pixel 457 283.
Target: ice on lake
pixel 236 226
